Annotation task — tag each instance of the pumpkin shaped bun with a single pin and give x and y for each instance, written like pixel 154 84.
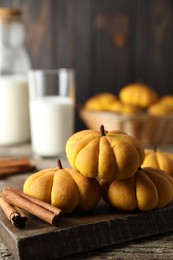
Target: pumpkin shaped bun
pixel 168 101
pixel 163 107
pixel 104 154
pixel 158 159
pixel 100 102
pixel 122 108
pixel 138 94
pixel 148 189
pixel 65 188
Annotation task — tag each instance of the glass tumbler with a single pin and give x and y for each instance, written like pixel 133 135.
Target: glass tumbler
pixel 52 110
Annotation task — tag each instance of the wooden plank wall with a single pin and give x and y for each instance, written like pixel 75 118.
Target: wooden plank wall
pixel 110 43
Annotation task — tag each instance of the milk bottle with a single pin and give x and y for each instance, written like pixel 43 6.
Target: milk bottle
pixel 14 114
pixel 14 65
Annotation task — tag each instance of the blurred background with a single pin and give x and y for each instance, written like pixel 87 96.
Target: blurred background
pixel 109 43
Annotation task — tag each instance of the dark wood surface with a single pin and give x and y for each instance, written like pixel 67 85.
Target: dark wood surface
pixel 109 43
pixel 133 236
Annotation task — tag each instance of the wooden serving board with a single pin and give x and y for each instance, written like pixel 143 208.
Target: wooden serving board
pixel 79 232
pixel 82 232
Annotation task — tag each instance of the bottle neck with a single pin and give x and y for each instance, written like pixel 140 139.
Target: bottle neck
pixel 11 32
pixel 14 58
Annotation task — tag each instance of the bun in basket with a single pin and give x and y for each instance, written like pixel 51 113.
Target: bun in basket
pixel 138 94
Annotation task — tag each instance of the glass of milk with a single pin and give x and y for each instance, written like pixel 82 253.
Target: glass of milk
pixel 52 110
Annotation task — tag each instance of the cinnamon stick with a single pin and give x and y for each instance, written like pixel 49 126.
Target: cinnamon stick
pixel 19 211
pixel 14 214
pixel 27 203
pixel 10 162
pixel 9 166
pixel 37 201
pixel 7 171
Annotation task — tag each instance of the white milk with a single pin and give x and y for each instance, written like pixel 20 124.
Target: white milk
pixel 14 110
pixel 52 123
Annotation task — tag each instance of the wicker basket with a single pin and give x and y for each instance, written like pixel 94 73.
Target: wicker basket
pixel 148 129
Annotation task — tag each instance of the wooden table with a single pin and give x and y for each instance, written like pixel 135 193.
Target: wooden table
pixel 155 247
